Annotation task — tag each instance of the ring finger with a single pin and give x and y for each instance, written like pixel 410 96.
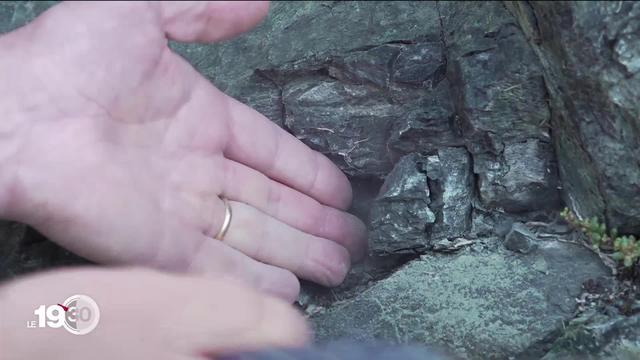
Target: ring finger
pixel 294 208
pixel 270 241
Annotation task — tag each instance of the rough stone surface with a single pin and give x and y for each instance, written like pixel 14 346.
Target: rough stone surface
pixel 390 90
pixel 401 214
pixel 520 239
pixel 354 109
pixel 348 350
pixel 597 336
pixel 500 101
pixel 589 53
pixel 14 14
pixel 520 180
pixel 483 303
pixel 450 176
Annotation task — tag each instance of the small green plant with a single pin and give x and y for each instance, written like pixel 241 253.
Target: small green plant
pixel 626 249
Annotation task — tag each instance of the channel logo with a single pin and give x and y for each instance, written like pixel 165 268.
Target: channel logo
pixel 79 314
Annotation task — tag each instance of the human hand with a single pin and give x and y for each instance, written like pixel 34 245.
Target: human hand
pixel 169 317
pixel 119 150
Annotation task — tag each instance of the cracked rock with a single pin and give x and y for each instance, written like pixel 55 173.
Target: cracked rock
pixel 500 97
pixel 400 214
pixel 451 184
pixel 590 55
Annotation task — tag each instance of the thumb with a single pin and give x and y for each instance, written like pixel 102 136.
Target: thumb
pixel 209 21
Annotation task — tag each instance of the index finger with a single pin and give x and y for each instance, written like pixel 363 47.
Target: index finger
pixel 259 143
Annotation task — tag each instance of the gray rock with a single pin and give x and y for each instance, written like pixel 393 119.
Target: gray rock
pixel 262 94
pixel 346 350
pixel 500 100
pixel 349 123
pixel 400 215
pixel 368 66
pixel 358 109
pixel 520 239
pixel 522 178
pixel 451 186
pixel 14 14
pixel 498 79
pixel 597 336
pixel 482 303
pixel 588 51
pixel 426 125
pixel 314 298
pixel 417 65
pixel 11 236
pixel 490 223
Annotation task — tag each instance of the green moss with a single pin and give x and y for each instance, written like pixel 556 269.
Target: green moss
pixel 626 248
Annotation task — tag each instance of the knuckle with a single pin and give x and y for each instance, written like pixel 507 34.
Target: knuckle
pixel 274 197
pixel 315 173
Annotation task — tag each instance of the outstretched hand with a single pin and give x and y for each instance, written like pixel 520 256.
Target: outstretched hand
pixel 121 151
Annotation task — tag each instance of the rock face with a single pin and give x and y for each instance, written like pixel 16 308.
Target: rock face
pixel 590 53
pixel 446 88
pixel 500 101
pixel 462 129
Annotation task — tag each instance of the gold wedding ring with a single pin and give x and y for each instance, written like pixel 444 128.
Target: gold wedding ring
pixel 227 220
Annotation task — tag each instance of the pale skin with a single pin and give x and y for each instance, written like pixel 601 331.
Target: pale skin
pixel 146 314
pixel 117 149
